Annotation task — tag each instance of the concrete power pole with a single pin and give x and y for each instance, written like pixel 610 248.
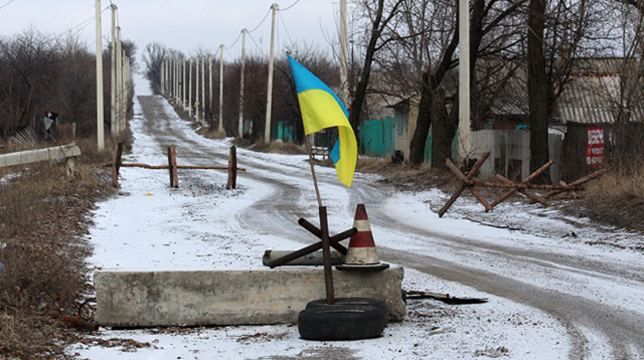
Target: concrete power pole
pixel 119 78
pixel 465 145
pixel 269 90
pixel 190 90
pixel 178 76
pixel 203 90
pixel 100 136
pixel 210 82
pixel 197 105
pixel 344 52
pixel 113 122
pixel 240 130
pixel 126 90
pixel 183 84
pixel 122 89
pixel 161 80
pixel 221 88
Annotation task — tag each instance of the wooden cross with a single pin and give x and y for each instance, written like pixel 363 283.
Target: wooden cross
pixel 467 181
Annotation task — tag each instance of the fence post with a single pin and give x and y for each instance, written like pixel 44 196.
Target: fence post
pixel 70 166
pixel 172 166
pixel 116 164
pixel 232 169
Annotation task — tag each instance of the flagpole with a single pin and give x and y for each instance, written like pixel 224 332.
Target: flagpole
pixel 315 180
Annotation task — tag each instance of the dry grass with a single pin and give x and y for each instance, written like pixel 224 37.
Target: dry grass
pixel 212 133
pixel 43 216
pixel 279 147
pixel 617 198
pixel 618 185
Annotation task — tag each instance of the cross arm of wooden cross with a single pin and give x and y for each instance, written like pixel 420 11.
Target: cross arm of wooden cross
pixel 466 181
pixel 523 190
pixel 334 241
pixel 577 183
pixel 506 195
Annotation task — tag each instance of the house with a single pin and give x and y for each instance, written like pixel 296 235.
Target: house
pixel 597 96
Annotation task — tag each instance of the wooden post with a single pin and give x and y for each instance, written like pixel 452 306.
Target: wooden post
pixel 116 164
pixel 70 166
pixel 172 166
pixel 326 253
pixel 232 169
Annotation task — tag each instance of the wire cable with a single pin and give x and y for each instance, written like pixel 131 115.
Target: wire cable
pixel 261 22
pixel 236 41
pixel 288 34
pixel 290 6
pixel 255 42
pixel 6 4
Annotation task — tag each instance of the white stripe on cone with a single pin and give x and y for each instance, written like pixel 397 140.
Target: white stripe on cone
pixel 362 225
pixel 362 256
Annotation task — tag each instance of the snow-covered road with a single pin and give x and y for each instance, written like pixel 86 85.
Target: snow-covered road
pixel 552 296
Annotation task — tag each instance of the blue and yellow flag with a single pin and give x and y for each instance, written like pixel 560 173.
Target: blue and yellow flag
pixel 321 109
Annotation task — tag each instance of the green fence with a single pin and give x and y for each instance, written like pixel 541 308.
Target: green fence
pixel 377 138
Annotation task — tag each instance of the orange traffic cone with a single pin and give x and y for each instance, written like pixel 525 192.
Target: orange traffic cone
pixel 362 253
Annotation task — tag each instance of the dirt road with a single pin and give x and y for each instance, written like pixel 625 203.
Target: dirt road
pixel 596 298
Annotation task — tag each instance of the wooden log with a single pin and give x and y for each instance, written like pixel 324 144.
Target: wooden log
pixel 179 167
pixel 465 182
pixel 524 182
pixel 577 183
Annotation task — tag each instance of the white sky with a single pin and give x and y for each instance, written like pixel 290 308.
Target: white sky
pixel 182 24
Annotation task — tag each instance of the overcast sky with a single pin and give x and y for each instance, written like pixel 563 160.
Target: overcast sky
pixel 182 24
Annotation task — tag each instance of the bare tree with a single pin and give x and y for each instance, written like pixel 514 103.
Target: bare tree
pixel 379 15
pixel 153 58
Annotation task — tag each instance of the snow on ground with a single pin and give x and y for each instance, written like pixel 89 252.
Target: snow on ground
pixel 431 331
pixel 151 227
pixel 412 209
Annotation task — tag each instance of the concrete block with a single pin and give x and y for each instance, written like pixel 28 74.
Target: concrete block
pixel 252 297
pixel 57 153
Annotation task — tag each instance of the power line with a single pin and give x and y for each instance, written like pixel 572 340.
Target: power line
pixel 261 22
pixel 6 4
pixel 290 6
pixel 255 42
pixel 288 34
pixel 235 42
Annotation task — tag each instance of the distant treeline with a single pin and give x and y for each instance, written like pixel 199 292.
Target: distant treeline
pixel 41 73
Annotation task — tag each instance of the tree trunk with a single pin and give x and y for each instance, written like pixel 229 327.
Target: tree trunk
pixel 361 90
pixel 538 94
pixel 423 123
pixel 443 130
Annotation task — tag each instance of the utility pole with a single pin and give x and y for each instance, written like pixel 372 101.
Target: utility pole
pixel 113 122
pixel 210 82
pixel 465 145
pixel 100 136
pixel 183 84
pixel 161 80
pixel 178 72
pixel 197 105
pixel 221 88
pixel 241 85
pixel 203 90
pixel 269 90
pixel 126 89
pixel 119 78
pixel 190 90
pixel 344 53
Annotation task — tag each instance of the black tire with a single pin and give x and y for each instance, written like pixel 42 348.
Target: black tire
pixel 341 322
pixel 379 303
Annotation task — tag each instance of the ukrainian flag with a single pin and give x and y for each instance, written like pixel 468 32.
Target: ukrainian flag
pixel 321 109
